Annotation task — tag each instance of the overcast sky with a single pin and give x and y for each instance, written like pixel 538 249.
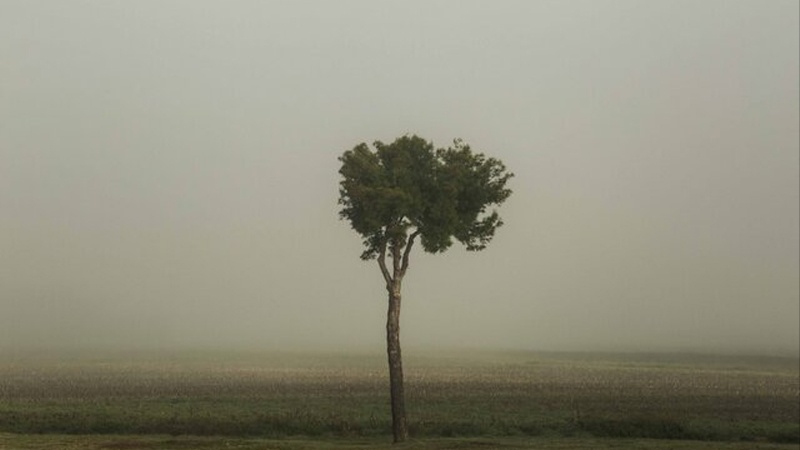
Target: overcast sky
pixel 168 172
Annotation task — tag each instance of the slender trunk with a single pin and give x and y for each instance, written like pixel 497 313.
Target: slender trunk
pixel 400 249
pixel 399 428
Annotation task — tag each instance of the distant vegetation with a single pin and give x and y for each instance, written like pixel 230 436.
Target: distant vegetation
pixel 327 397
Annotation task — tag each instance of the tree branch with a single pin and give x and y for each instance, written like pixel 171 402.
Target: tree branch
pixel 382 265
pixel 395 249
pixel 407 252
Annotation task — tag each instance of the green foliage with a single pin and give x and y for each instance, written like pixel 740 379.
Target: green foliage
pixel 440 193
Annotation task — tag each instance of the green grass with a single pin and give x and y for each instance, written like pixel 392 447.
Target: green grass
pixel 137 442
pixel 513 399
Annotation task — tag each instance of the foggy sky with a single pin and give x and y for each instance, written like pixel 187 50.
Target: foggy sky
pixel 168 172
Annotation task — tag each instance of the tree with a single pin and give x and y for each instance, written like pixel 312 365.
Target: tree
pixel 408 190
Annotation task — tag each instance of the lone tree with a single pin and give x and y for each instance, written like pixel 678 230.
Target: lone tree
pixel 408 190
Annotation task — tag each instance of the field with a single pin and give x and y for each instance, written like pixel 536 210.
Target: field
pixel 454 400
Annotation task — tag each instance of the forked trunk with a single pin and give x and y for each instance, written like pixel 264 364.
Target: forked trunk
pixel 399 427
pixel 393 283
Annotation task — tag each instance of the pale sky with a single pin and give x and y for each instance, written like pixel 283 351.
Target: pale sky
pixel 168 172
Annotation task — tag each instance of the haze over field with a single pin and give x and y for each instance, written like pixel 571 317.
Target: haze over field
pixel 168 172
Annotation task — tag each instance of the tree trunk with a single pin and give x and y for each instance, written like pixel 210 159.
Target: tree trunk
pixel 399 428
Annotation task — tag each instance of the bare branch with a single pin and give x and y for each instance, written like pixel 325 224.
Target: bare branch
pixel 382 265
pixel 407 252
pixel 396 260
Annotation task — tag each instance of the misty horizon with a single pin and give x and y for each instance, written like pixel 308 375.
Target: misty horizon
pixel 168 173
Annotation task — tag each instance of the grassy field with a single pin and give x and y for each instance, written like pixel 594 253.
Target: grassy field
pixel 138 442
pixel 470 400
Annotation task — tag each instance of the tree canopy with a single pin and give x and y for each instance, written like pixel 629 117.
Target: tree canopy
pixel 410 186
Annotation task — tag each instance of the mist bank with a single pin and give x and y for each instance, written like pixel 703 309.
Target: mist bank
pixel 78 346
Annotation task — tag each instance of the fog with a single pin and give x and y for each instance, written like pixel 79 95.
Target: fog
pixel 168 172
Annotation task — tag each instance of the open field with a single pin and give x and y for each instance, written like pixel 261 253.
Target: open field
pixel 476 400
